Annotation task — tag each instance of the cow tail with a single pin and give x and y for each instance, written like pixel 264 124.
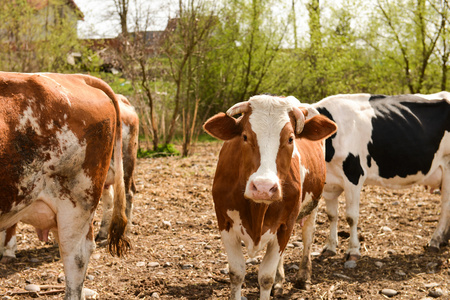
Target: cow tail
pixel 118 243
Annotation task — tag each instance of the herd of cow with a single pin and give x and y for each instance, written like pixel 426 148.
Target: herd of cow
pixel 67 141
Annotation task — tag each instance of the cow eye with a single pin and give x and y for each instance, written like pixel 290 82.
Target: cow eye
pixel 244 137
pixel 291 140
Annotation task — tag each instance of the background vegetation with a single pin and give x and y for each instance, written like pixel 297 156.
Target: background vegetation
pixel 212 56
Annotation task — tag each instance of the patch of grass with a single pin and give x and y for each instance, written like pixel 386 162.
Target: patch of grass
pixel 162 151
pixel 204 137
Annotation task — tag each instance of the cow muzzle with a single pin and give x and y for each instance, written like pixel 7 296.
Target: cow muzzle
pixel 263 190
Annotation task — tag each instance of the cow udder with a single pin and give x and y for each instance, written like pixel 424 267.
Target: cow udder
pixel 42 217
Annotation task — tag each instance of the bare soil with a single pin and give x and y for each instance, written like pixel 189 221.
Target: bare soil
pixel 177 252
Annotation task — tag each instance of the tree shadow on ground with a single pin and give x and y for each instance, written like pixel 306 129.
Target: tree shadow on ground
pixel 30 258
pixel 394 267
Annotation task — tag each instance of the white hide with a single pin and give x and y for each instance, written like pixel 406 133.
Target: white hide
pixel 436 96
pixel 28 118
pixel 125 137
pixel 241 233
pixel 72 153
pixel 10 248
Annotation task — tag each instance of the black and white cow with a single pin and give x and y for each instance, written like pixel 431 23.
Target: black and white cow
pixel 389 141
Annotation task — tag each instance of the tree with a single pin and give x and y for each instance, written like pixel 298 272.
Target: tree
pixel 122 7
pixel 137 61
pixel 16 36
pixel 442 47
pixel 184 46
pixel 411 52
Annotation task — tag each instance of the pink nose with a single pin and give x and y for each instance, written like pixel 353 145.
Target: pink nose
pixel 263 189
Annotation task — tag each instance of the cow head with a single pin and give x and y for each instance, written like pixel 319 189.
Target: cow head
pixel 266 134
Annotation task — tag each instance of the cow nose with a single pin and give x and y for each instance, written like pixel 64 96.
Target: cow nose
pixel 263 188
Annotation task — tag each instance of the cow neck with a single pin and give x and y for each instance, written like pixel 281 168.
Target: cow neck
pixel 257 212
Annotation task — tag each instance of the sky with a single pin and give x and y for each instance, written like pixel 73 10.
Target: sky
pixel 101 21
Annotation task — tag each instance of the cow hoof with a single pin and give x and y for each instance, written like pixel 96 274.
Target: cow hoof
pixel 350 264
pixel 431 249
pixel 7 259
pixel 351 261
pixel 352 257
pixel 303 285
pixel 327 253
pixel 277 291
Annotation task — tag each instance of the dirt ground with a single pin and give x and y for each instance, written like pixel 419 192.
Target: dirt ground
pixel 177 252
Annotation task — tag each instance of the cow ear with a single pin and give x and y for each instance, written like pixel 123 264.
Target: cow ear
pixel 222 126
pixel 317 128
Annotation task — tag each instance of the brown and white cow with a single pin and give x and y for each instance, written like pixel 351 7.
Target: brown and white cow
pixel 130 135
pixel 271 171
pixel 57 136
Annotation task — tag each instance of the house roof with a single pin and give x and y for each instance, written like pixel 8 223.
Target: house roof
pixel 40 4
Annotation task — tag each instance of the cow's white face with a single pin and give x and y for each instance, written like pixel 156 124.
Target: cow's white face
pixel 272 132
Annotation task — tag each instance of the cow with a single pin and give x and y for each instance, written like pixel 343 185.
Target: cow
pixel 270 171
pixel 58 133
pixel 130 135
pixel 389 141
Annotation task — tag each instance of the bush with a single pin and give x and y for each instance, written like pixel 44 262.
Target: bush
pixel 162 151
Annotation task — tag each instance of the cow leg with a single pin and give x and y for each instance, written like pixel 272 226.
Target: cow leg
pixel 442 233
pixel 107 204
pixel 304 273
pixel 352 195
pixel 279 278
pixel 8 244
pixel 268 269
pixel 129 207
pixel 331 195
pixel 236 263
pixel 55 237
pixel 76 244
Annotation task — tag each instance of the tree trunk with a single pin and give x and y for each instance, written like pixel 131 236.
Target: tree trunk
pixel 154 123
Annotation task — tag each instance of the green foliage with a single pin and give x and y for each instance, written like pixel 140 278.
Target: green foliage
pixel 37 40
pixel 89 62
pixel 162 151
pixel 242 51
pixel 206 138
pixel 216 55
pixel 118 83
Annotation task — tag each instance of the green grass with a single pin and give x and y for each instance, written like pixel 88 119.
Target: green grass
pixel 162 151
pixel 204 137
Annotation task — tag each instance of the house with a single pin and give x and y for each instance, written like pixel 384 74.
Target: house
pixel 30 21
pixel 146 42
pixel 49 12
pixel 30 29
